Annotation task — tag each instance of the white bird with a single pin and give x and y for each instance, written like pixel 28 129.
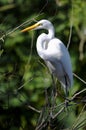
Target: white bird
pixel 54 53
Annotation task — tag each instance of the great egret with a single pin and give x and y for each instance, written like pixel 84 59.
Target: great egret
pixel 54 53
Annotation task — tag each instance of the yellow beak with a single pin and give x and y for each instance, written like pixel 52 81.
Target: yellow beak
pixel 30 27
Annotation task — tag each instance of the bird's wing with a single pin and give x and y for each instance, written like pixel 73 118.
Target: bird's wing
pixel 57 55
pixel 56 68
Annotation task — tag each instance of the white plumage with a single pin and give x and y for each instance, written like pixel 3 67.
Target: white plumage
pixel 54 53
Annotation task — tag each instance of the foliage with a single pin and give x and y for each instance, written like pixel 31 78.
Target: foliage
pixel 24 77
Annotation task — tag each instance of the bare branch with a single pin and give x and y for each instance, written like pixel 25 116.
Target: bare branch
pixel 79 78
pixel 78 94
pixel 61 110
pixel 71 27
pixel 34 109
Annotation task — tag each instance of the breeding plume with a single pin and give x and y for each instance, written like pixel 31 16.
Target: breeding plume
pixel 54 53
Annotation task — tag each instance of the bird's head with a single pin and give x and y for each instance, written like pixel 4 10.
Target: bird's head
pixel 42 24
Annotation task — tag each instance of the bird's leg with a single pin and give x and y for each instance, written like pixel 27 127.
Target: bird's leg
pixel 66 92
pixel 54 86
pixel 47 103
pixel 53 92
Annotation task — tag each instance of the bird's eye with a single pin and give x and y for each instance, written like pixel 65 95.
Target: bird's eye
pixel 40 24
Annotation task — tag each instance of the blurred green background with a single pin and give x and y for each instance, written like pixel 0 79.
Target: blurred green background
pixel 23 75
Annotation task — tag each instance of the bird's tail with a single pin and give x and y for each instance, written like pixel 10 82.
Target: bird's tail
pixel 65 82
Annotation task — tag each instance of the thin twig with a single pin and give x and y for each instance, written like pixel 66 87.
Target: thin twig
pixel 78 94
pixel 24 23
pixel 53 108
pixel 71 26
pixel 34 109
pixel 76 122
pixel 81 124
pixel 61 110
pixel 21 25
pixel 24 84
pixel 79 78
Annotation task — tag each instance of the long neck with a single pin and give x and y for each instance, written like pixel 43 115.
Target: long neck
pixel 42 41
pixel 51 32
